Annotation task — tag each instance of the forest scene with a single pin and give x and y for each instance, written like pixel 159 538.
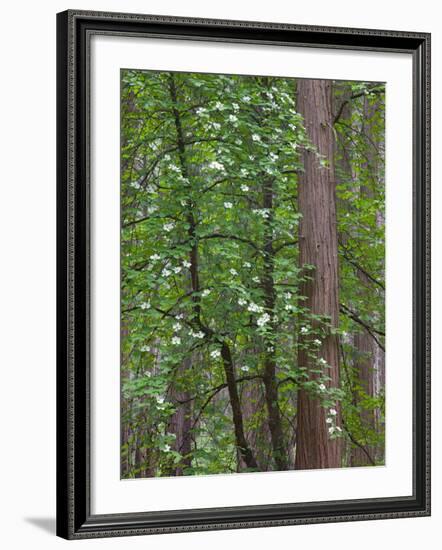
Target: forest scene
pixel 252 274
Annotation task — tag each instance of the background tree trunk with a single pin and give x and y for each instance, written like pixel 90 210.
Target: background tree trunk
pixel 318 246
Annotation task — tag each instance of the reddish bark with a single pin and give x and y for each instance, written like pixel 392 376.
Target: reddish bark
pixel 318 247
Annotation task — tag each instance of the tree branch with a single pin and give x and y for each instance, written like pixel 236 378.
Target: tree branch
pixel 355 96
pixel 346 311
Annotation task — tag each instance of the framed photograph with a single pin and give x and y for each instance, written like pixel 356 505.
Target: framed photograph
pixel 243 274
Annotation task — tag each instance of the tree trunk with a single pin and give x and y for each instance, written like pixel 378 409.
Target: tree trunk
pixel 269 377
pixel 318 247
pixel 241 442
pixel 181 421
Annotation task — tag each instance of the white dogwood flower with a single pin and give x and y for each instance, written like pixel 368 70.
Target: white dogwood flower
pixel 228 205
pixel 264 319
pixel 145 305
pixel 215 353
pixel 216 165
pixel 168 226
pixel 176 340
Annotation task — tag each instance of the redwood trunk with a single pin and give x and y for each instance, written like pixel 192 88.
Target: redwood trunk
pixel 318 247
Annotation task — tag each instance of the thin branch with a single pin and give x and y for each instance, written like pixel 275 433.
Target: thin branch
pixel 215 391
pixel 355 96
pixel 232 237
pixel 346 311
pixel 355 264
pixel 355 442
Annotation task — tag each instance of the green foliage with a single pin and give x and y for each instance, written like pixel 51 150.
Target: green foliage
pixel 207 261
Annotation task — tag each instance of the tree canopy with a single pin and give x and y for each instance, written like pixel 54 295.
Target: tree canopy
pixel 213 316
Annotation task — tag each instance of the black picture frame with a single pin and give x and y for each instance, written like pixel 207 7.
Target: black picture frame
pixel 74 518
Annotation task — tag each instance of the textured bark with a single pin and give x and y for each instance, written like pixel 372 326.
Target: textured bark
pixel 252 404
pixel 318 246
pixel 270 383
pixel 366 349
pixel 181 421
pixel 238 424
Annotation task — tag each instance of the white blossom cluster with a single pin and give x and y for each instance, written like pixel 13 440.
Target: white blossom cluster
pixel 215 165
pixel 263 320
pixel 263 212
pixel 331 422
pixel 200 334
pixel 255 308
